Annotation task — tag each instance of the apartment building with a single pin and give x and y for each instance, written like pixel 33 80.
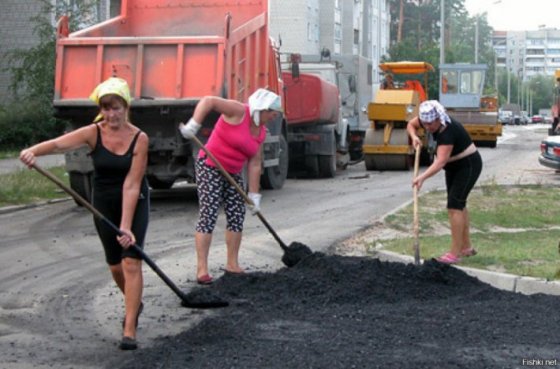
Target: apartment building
pixel 528 53
pixel 345 27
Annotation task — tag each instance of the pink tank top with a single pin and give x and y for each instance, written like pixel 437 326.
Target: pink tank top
pixel 233 145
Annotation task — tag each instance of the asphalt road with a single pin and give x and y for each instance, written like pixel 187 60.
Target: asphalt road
pixel 59 307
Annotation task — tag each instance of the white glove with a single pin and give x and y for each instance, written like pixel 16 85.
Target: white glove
pixel 256 199
pixel 190 129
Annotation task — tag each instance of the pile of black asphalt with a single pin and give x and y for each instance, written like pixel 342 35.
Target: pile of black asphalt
pixel 356 312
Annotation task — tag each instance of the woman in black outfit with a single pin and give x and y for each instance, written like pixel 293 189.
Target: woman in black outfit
pixel 120 190
pixel 458 156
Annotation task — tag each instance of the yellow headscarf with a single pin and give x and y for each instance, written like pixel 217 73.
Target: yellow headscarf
pixel 111 86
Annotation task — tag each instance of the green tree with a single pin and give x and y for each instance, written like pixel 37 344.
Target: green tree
pixel 542 89
pixel 420 39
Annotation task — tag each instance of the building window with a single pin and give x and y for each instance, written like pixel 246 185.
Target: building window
pixel 337 31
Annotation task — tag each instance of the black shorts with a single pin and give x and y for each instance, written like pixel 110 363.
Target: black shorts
pixel 460 178
pixel 110 207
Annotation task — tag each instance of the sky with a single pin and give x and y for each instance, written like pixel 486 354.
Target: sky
pixel 518 15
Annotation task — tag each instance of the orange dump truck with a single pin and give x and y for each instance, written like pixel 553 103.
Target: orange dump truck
pixel 172 53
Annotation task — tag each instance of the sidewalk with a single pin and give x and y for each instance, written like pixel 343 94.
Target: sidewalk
pixel 13 165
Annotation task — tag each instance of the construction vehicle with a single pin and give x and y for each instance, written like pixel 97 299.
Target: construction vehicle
pixel 387 145
pixel 316 131
pixel 317 134
pixel 461 92
pixel 171 54
pixel 353 76
pixel 555 109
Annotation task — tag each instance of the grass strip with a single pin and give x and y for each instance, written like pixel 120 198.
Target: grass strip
pixel 28 186
pixel 514 228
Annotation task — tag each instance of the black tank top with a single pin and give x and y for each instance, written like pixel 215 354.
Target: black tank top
pixel 111 169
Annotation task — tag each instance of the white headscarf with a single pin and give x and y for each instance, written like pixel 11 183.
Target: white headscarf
pixel 263 99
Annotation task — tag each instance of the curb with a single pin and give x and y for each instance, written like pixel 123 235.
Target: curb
pixel 502 281
pixel 14 208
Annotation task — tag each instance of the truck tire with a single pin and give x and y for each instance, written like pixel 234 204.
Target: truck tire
pixel 273 178
pixel 327 166
pixel 158 184
pixel 82 183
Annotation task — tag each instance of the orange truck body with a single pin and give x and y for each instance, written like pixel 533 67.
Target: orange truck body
pixel 172 53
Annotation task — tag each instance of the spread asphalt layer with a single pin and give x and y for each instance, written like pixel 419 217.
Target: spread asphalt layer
pixel 357 312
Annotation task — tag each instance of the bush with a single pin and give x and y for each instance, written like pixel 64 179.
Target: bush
pixel 22 125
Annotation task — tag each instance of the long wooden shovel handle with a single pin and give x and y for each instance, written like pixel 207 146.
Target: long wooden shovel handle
pixel 415 209
pixel 232 181
pixel 101 217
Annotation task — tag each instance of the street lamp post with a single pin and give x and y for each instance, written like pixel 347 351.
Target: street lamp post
pixel 508 78
pixel 476 37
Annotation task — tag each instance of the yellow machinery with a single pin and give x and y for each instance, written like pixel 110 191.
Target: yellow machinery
pixel 461 92
pixel 387 145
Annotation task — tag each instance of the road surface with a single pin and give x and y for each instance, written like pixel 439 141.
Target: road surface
pixel 59 307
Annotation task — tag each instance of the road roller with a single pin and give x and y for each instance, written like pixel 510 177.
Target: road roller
pixel 387 145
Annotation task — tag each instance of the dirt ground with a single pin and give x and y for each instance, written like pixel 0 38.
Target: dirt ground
pixel 356 312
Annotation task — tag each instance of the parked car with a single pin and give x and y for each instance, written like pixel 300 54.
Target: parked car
pixel 505 117
pixel 525 119
pixel 550 152
pixel 536 119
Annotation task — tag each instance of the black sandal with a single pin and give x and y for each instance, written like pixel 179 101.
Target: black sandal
pixel 128 343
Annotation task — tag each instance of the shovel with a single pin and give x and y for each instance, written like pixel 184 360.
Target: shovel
pixel 416 226
pixel 294 253
pixel 186 300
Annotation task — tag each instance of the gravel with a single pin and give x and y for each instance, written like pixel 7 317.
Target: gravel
pixel 359 312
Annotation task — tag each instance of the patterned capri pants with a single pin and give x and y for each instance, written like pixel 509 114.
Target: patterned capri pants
pixel 213 191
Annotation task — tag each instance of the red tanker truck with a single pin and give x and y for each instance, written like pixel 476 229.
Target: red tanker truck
pixel 315 126
pixel 172 53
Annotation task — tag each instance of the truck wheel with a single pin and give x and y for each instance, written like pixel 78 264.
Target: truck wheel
pixel 273 178
pixel 158 184
pixel 82 183
pixel 327 166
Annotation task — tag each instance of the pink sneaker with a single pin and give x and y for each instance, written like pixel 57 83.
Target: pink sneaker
pixel 448 258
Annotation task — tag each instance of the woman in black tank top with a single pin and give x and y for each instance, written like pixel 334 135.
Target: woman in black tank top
pixel 458 157
pixel 120 192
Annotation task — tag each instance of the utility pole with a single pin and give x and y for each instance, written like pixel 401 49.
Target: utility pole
pixel 442 34
pixel 476 40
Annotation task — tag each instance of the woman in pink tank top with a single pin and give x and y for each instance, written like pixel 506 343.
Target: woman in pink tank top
pixel 236 139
